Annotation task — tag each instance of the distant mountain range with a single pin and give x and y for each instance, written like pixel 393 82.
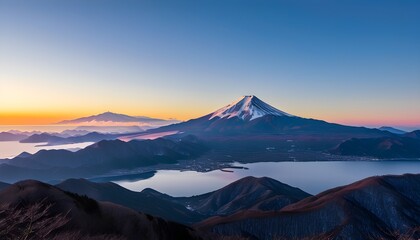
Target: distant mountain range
pixel 70 135
pixel 105 123
pixel 51 139
pixel 384 207
pixel 99 158
pixel 413 134
pixel 7 136
pixel 392 130
pixel 109 117
pixel 385 147
pixel 398 146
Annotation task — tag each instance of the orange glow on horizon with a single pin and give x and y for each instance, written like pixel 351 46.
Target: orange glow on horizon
pixel 53 118
pixel 31 119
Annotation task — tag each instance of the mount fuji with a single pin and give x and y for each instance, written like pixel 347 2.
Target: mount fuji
pixel 249 115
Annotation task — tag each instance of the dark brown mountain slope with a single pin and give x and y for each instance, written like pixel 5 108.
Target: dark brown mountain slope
pixel 265 194
pixel 248 193
pixel 3 185
pixel 140 201
pixel 413 134
pixel 373 208
pixel 34 210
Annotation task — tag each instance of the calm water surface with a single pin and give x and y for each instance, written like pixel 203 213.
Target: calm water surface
pixel 12 149
pixel 312 177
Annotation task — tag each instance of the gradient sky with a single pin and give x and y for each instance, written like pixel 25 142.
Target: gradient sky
pixel 352 62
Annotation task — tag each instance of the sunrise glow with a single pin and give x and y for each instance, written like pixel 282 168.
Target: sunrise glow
pixel 360 68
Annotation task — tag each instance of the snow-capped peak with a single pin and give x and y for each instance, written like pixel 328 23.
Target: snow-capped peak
pixel 248 108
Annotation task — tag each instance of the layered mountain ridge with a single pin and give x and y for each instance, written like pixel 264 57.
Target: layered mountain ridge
pixel 384 207
pixel 263 194
pixel 35 210
pixel 99 158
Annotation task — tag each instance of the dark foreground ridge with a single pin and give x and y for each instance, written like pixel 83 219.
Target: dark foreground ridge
pixel 263 194
pixel 35 210
pixel 249 193
pixel 153 204
pixel 386 207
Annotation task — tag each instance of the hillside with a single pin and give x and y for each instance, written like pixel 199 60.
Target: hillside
pixel 51 213
pixel 139 201
pixel 375 208
pixel 99 158
pixel 247 193
pixel 385 147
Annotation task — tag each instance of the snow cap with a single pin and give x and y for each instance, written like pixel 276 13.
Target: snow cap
pixel 248 108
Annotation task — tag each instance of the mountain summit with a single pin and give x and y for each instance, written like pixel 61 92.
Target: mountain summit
pixel 252 117
pixel 247 108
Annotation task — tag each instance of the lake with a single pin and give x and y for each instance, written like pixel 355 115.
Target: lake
pixel 312 177
pixel 11 149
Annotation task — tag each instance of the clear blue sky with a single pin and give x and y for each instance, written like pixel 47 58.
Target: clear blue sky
pixel 354 62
